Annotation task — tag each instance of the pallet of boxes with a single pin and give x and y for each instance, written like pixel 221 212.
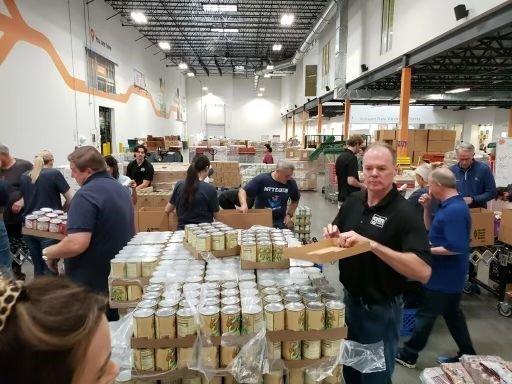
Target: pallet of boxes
pixel 209 316
pixel 226 174
pixel 306 170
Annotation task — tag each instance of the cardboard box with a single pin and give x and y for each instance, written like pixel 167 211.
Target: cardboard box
pixel 441 135
pixel 324 251
pixel 304 154
pixel 151 219
pixel 218 254
pixel 505 233
pixel 239 220
pixel 387 134
pixel 440 146
pixel 245 264
pixel 482 227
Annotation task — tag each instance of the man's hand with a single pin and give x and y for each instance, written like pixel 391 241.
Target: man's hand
pixel 17 206
pixel 331 231
pixel 53 265
pixel 469 200
pixel 350 239
pixel 132 184
pixel 244 208
pixel 288 221
pixel 425 200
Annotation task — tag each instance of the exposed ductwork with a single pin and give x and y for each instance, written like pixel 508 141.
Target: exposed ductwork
pixel 326 16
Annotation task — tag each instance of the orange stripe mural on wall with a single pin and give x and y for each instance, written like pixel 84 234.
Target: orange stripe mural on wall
pixel 15 30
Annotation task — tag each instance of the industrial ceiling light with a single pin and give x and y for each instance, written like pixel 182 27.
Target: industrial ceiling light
pixel 190 74
pixel 458 90
pixel 412 101
pixel 224 30
pixel 270 67
pixel 205 89
pixel 262 89
pixel 138 17
pixel 287 19
pixel 267 75
pixel 239 67
pixel 277 47
pixel 220 8
pixel 164 45
pixel 182 65
pixel 260 94
pixel 478 107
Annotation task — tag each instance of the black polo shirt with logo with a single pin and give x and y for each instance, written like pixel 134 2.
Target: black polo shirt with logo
pixel 139 173
pixel 393 223
pixel 346 166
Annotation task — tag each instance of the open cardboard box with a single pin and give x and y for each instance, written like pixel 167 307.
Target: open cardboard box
pixel 240 220
pixel 219 254
pixel 284 264
pixel 324 251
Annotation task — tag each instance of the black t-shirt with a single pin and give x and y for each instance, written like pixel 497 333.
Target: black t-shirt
pixel 46 191
pixel 103 207
pixel 202 208
pixel 393 223
pixel 13 177
pixel 228 199
pixel 4 195
pixel 346 166
pixel 140 173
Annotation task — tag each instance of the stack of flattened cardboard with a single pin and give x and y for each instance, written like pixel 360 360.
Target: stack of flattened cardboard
pixel 153 199
pixel 226 174
pixel 167 174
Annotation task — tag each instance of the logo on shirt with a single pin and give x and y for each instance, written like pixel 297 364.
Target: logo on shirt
pixel 275 190
pixel 378 221
pixel 143 169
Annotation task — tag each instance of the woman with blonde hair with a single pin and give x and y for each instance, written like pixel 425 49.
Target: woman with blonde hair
pixel 52 331
pixel 42 187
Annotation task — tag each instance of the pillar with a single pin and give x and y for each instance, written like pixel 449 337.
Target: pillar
pixel 320 119
pixel 346 119
pixel 405 96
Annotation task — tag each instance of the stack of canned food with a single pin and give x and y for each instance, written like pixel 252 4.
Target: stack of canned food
pixel 302 223
pixel 264 245
pixel 47 219
pixel 207 237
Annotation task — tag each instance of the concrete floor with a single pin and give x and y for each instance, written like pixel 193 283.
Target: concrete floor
pixel 490 332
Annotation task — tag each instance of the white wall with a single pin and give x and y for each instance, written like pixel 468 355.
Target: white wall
pixel 37 106
pixel 247 115
pixel 415 23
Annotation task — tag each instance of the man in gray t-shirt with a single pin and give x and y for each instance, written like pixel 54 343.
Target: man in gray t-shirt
pixel 11 170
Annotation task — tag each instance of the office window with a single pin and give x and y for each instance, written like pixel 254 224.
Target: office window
pixel 310 80
pixel 386 37
pixel 101 72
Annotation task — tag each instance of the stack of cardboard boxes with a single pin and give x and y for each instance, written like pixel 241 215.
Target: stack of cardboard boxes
pixel 167 174
pixel 226 174
pixel 421 141
pixel 298 153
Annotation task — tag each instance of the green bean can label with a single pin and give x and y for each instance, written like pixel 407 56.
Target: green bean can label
pixel 311 349
pixel 330 348
pixel 144 359
pixel 334 314
pixel 248 251
pixel 165 359
pixel 292 350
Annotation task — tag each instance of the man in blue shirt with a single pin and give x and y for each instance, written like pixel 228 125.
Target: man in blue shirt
pixel 273 190
pixel 100 223
pixel 475 181
pixel 449 237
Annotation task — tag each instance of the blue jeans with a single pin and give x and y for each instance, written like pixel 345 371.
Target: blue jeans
pixel 5 249
pixel 371 323
pixel 436 304
pixel 35 247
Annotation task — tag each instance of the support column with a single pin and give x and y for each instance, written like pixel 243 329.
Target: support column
pixel 510 122
pixel 286 128
pixel 320 119
pixel 405 96
pixel 304 122
pixel 346 119
pixel 293 125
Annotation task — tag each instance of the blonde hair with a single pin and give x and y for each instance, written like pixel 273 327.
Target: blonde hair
pixel 42 158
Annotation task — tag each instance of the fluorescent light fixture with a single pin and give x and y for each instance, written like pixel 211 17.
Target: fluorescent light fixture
pixel 412 101
pixel 287 19
pixel 458 90
pixel 220 8
pixel 190 74
pixel 267 75
pixel 205 88
pixel 477 107
pixel 262 89
pixel 435 96
pixel 183 65
pixel 164 45
pixel 260 94
pixel 239 67
pixel 224 30
pixel 138 17
pixel 277 47
pixel 270 67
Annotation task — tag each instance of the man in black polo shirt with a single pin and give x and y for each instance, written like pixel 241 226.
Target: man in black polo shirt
pixel 140 169
pixel 374 280
pixel 347 170
pixel 100 223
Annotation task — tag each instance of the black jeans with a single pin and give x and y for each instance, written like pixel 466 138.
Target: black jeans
pixel 434 304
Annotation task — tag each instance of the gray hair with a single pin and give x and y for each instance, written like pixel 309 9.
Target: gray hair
pixel 4 150
pixel 285 165
pixel 444 177
pixel 463 146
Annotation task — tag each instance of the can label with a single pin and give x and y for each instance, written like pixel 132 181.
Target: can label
pixel 311 349
pixel 209 356
pixel 335 378
pixel 118 293
pixel 165 326
pixel 185 325
pixel 165 359
pixel 144 359
pixel 230 323
pixel 315 319
pixel 292 350
pixel 227 354
pixel 118 270
pixel 251 322
pixel 296 320
pixel 335 318
pixel 274 320
pixel 134 292
pixel 133 269
pixel 274 350
pixel 144 327
pixel 184 356
pixel 147 268
pixel 210 324
pixel 330 348
pixel 274 377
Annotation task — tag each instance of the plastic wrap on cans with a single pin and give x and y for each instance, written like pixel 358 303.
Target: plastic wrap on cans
pixel 251 362
pixel 230 325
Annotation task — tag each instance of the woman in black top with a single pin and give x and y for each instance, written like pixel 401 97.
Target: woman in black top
pixel 42 187
pixel 194 200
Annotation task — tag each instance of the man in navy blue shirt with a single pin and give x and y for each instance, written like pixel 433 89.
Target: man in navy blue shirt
pixel 449 237
pixel 475 181
pixel 273 190
pixel 100 223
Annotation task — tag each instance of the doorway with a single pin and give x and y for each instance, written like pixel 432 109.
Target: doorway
pixel 105 119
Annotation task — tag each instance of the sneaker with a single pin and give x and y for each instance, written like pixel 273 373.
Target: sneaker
pixel 447 359
pixel 402 360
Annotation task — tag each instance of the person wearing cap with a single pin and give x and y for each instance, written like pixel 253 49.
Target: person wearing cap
pixel 267 158
pixel 347 169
